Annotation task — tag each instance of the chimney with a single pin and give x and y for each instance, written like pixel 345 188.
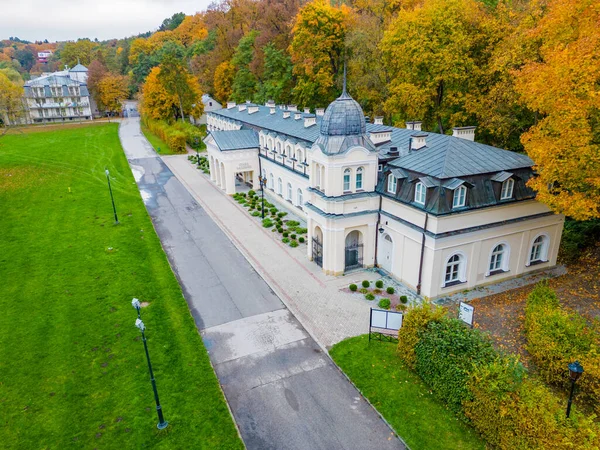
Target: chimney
pixel 248 102
pixel 270 103
pixel 230 105
pixel 467 133
pixel 306 110
pixel 320 111
pixel 252 109
pixel 377 137
pixel 378 120
pixel 309 120
pixel 297 115
pixel 393 151
pixel 418 141
pixel 414 125
pixel 286 114
pixel 272 110
pixel 293 107
pixel 241 107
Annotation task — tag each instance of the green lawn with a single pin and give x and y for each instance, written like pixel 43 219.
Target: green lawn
pixel 401 397
pixel 72 368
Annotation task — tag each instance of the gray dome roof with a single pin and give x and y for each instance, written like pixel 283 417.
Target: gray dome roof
pixel 343 117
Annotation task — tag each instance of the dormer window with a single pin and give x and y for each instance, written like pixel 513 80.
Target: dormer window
pixel 460 197
pixel 420 193
pixel 507 189
pixel 391 184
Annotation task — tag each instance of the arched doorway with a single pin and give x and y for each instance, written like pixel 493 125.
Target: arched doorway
pixel 317 246
pixel 385 253
pixel 354 250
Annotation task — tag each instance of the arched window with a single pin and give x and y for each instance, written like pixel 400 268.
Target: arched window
pixel 460 197
pixel 288 151
pixel 300 198
pixel 391 184
pixel 279 186
pixel 279 147
pixel 299 155
pixel 454 270
pixel 289 192
pixel 271 182
pixel 347 180
pixel 262 140
pixel 270 144
pixel 359 178
pixel 539 250
pixel 420 192
pixel 507 189
pixel 498 259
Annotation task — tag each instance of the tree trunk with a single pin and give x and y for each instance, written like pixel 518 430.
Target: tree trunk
pixel 181 108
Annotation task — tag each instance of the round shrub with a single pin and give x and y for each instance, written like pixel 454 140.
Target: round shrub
pixel 379 284
pixel 301 239
pixel 267 223
pixel 286 234
pixel 390 290
pixel 293 243
pixel 256 213
pixel 377 291
pixel 285 240
pixel 363 291
pixel 292 223
pixel 301 230
pixel 273 210
pixel 293 236
pixel 366 284
pixel 404 299
pixel 282 214
pixel 384 303
pixel 251 193
pixel 280 229
pixel 369 296
pixel 353 287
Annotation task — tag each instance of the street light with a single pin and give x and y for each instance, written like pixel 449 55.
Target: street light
pixel 263 182
pixel 575 371
pixel 197 153
pixel 112 199
pixel 162 423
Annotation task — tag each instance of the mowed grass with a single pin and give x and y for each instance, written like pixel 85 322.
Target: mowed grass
pixel 401 397
pixel 73 373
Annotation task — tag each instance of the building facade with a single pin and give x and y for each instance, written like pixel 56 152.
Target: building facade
pixel 439 213
pixel 59 96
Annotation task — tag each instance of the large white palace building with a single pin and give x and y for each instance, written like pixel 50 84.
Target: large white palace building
pixel 439 213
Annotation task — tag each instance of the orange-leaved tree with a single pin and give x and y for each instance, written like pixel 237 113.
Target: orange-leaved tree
pixel 223 81
pixel 563 86
pixel 112 90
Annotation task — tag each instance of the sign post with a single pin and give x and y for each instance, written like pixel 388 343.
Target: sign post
pixel 465 313
pixel 384 325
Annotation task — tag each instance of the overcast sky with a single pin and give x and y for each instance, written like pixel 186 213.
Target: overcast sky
pixel 61 20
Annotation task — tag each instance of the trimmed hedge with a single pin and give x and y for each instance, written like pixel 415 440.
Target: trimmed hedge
pixel 556 337
pixel 192 133
pixel 173 137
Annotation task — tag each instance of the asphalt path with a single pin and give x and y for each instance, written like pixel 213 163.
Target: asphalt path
pixel 283 390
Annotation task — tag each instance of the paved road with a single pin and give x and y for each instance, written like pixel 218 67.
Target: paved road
pixel 283 391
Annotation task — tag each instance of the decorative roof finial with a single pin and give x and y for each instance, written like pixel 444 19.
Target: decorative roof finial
pixel 344 87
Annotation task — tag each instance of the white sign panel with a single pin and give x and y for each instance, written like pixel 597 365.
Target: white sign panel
pixel 388 320
pixel 465 313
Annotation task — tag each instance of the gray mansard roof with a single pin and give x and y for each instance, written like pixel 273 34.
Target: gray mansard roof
pixel 443 157
pixel 235 139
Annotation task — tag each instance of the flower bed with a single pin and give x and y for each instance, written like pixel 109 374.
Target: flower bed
pixel 290 231
pixel 201 163
pixel 384 297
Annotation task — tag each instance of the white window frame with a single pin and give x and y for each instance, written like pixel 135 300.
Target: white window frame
pixel 271 182
pixel 300 197
pixel 507 189
pixel 420 193
pixel 392 184
pixel 495 266
pixel 280 186
pixel 289 192
pixel 347 177
pixel 542 249
pixel 459 198
pixel 359 181
pixel 458 269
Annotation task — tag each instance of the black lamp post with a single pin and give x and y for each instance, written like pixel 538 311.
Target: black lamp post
pixel 575 371
pixel 197 153
pixel 162 423
pixel 111 197
pixel 263 182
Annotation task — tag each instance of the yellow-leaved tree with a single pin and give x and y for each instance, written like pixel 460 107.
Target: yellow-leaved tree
pixel 563 86
pixel 191 29
pixel 11 103
pixel 112 90
pixel 223 81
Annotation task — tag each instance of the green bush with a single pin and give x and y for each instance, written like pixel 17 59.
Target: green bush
pixel 366 284
pixel 385 303
pixel 174 138
pixel 353 287
pixel 256 213
pixel 446 354
pixel 292 223
pixel 281 214
pixel 251 193
pixel 280 229
pixel 369 296
pixel 301 239
pixel 390 290
pixel 301 230
pixel 403 299
pixel 267 223
pixel 577 237
pixel 286 234
pixel 379 284
pixel 293 243
pixel 273 210
pixel 285 240
pixel 363 291
pixel 193 134
pixel 293 236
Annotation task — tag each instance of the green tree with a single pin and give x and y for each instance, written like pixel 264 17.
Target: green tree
pixel 81 52
pixel 277 76
pixel 175 78
pixel 245 84
pixel 170 23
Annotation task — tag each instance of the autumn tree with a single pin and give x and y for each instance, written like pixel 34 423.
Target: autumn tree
pixel 113 89
pixel 563 86
pixel 81 51
pixel 96 72
pixel 436 54
pixel 178 82
pixel 316 50
pixel 191 29
pixel 223 81
pixel 11 103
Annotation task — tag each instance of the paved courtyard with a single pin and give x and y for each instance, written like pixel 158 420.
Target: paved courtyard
pixel 284 391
